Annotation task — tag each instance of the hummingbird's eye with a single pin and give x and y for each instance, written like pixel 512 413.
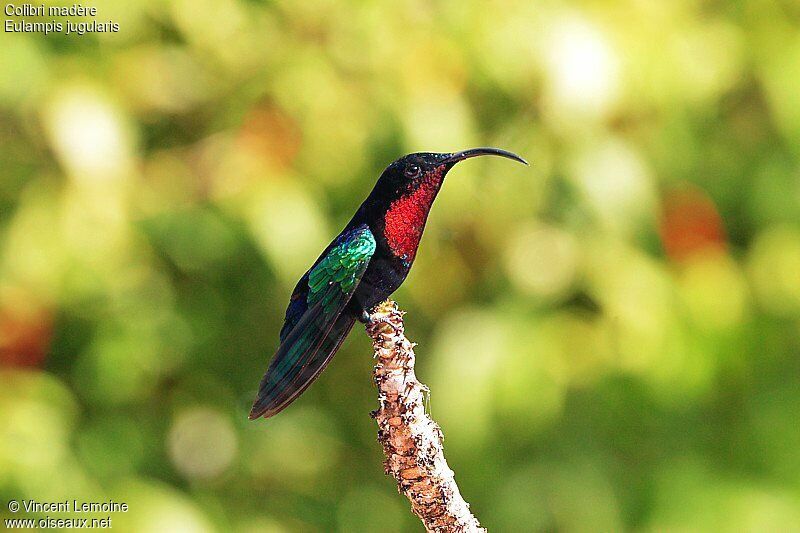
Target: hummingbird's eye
pixel 412 171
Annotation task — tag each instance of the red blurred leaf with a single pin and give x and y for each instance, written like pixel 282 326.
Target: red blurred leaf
pixel 25 332
pixel 691 224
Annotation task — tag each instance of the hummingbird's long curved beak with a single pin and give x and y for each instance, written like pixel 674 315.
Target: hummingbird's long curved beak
pixel 455 157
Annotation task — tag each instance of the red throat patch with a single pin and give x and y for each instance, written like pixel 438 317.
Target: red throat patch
pixel 406 217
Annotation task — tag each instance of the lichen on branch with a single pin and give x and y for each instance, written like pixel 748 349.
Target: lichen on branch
pixel 411 440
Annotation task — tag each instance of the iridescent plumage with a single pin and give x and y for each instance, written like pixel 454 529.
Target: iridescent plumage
pixel 362 267
pixel 316 323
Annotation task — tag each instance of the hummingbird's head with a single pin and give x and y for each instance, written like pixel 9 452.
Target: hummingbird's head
pixel 405 192
pixel 428 169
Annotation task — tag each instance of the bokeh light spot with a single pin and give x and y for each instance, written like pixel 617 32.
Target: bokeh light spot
pixel 202 443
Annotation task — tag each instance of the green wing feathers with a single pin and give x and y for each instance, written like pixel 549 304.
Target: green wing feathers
pixel 322 326
pixel 341 267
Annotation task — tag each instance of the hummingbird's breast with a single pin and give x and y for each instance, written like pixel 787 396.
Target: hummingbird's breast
pixel 405 218
pixel 383 276
pixel 398 231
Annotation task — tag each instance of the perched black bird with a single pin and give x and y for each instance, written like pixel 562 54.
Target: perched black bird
pixel 361 268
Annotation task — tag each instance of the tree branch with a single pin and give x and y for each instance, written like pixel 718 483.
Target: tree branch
pixel 412 441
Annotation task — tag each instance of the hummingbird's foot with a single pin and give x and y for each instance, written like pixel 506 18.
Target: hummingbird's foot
pixel 369 319
pixel 364 317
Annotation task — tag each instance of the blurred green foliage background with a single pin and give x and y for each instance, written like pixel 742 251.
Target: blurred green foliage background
pixel 611 335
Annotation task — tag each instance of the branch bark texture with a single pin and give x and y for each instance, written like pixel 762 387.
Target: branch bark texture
pixel 411 440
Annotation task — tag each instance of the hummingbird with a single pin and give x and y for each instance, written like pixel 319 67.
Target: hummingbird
pixel 359 269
